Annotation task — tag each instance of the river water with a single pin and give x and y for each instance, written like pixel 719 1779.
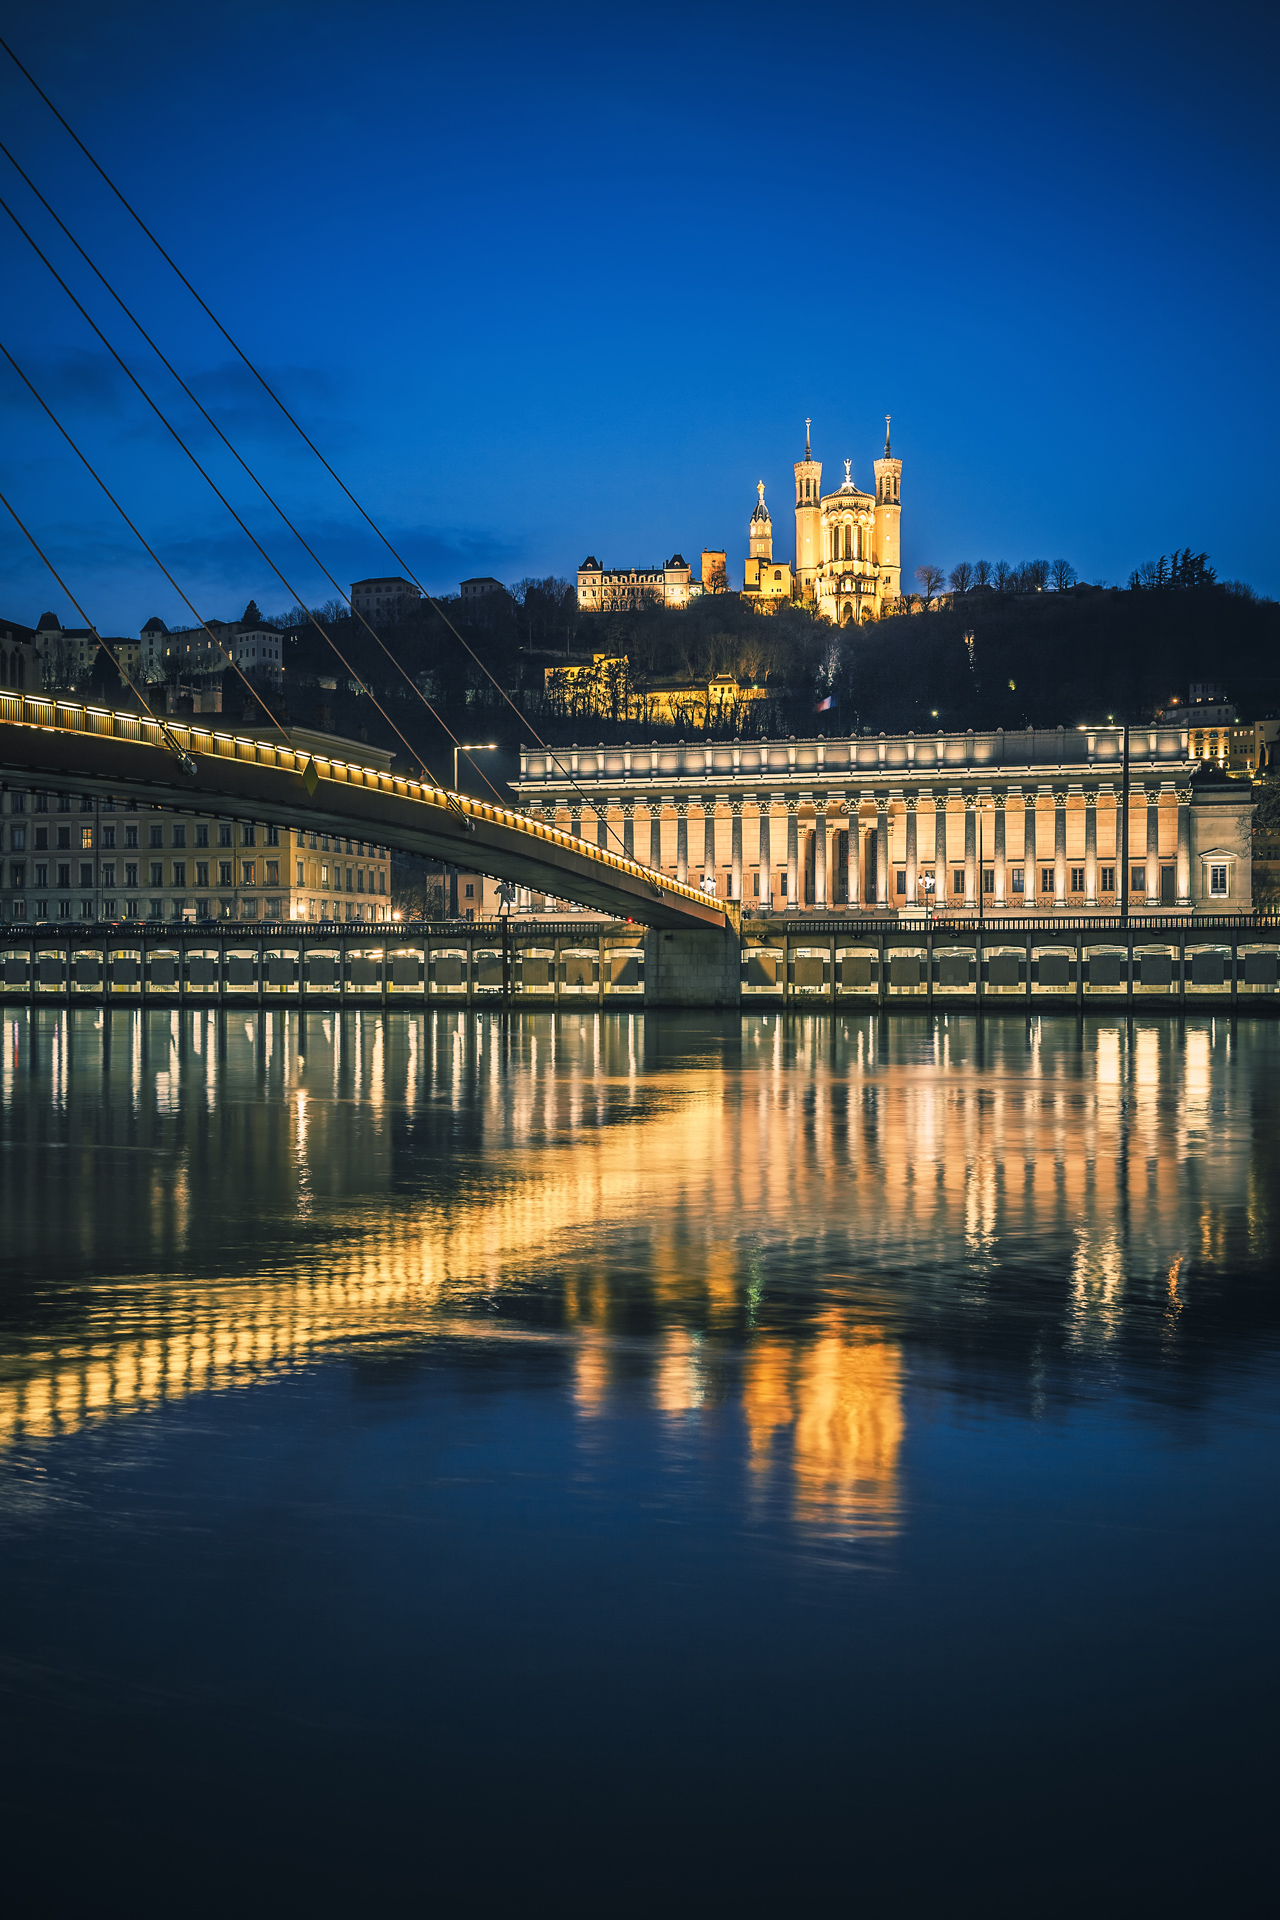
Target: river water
pixel 679 1463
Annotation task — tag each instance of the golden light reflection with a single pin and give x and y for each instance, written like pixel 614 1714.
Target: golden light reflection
pixel 268 1194
pixel 837 1398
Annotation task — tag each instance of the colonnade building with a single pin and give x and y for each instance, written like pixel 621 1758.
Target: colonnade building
pixel 960 823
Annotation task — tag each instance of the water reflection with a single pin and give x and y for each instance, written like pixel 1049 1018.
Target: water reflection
pixel 778 1218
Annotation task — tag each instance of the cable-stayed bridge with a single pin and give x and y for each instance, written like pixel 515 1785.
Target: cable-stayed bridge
pixel 180 764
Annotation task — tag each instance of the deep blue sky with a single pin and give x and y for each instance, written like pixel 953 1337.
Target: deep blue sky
pixel 550 281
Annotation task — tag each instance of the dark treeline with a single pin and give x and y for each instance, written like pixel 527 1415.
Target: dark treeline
pixel 982 656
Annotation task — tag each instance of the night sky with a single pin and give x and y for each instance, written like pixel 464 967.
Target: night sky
pixel 550 281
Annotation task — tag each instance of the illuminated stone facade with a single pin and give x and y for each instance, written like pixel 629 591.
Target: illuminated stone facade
pixel 1017 822
pixel 848 543
pixel 626 589
pixel 766 581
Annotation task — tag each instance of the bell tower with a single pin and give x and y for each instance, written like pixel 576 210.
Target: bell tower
pixel 760 531
pixel 888 522
pixel 808 520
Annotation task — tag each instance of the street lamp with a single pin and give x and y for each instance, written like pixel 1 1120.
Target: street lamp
pixel 479 746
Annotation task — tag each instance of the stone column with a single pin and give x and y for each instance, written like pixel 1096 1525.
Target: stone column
pixel 793 853
pixel 655 833
pixel 1153 846
pixel 972 878
pixel 941 890
pixel 1091 849
pixel 853 855
pixel 735 852
pixel 912 802
pixel 1030 871
pixel 629 828
pixel 709 835
pixel 682 842
pixel 1184 846
pixel 1059 849
pixel 819 849
pixel 575 820
pixel 602 825
pixel 998 851
pixel 882 849
pixel 766 867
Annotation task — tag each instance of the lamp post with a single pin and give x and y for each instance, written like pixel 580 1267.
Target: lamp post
pixel 478 746
pixel 460 746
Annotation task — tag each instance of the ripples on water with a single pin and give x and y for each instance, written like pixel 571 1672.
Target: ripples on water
pixel 836 1425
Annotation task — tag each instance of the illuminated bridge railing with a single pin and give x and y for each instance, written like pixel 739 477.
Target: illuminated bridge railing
pixel 51 714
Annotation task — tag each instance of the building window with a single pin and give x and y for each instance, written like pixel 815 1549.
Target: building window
pixel 131 836
pixel 1077 879
pixel 64 873
pixel 18 839
pixel 957 880
pixel 1218 881
pixel 179 873
pixel 86 873
pixel 1106 879
pixel 42 874
pixel 1138 880
pixel 86 836
pixel 108 836
pixel 224 835
pixel 470 892
pixel 108 909
pixel 900 882
pixel 988 879
pixel 130 909
pixel 1046 880
pixel 155 909
pixel 64 909
pixel 224 874
pixel 202 836
pixel 247 836
pixel 273 836
pixel 179 836
pixel 1017 879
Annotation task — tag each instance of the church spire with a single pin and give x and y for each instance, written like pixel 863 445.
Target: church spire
pixel 807 454
pixel 888 417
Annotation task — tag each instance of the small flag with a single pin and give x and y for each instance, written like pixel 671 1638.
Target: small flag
pixel 825 706
pixel 311 779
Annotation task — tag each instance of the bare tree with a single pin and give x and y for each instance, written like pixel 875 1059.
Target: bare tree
pixel 982 573
pixel 1002 578
pixel 1034 576
pixel 961 577
pixel 1064 575
pixel 930 579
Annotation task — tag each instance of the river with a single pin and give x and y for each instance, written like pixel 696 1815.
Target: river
pixel 598 1462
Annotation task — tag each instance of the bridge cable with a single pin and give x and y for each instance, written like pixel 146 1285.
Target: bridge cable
pixel 273 395
pixel 188 763
pixel 166 422
pixel 84 458
pixel 232 450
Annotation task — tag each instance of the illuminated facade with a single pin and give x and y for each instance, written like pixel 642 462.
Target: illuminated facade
pixel 848 543
pixel 1014 822
pixel 765 581
pixel 627 589
pixel 71 856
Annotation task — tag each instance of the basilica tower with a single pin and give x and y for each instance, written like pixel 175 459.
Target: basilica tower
pixel 808 520
pixel 888 549
pixel 760 531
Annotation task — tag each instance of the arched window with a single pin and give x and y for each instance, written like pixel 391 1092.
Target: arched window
pixel 20 677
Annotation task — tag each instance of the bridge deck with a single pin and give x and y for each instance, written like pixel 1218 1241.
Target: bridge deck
pixel 127 754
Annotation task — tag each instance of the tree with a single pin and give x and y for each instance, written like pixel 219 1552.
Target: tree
pixel 982 573
pixel 1003 578
pixel 1032 576
pixel 251 616
pixel 1064 575
pixel 930 579
pixel 961 577
pixel 716 580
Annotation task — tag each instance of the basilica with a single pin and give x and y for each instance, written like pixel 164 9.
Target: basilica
pixel 848 564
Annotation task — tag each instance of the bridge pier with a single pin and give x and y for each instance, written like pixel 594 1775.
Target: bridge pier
pixel 702 969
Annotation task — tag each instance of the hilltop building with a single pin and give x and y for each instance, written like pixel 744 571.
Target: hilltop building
pixel 848 543
pixel 384 601
pixel 766 581
pixel 626 589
